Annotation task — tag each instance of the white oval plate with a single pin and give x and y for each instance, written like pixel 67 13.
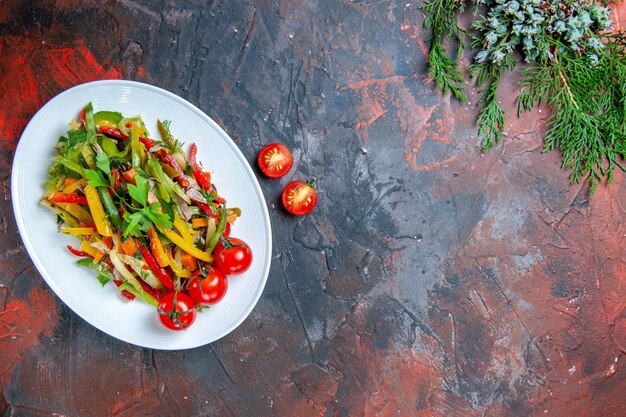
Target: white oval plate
pixel 137 322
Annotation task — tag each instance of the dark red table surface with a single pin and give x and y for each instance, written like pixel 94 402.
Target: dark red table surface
pixel 430 280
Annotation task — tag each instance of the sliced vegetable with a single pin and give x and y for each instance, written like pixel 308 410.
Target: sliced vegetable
pixel 157 248
pixel 108 118
pixel 221 227
pixel 275 160
pixel 77 252
pixel 67 198
pixel 183 229
pixel 77 211
pixel 87 248
pixel 187 246
pixel 180 174
pixel 203 178
pixel 109 207
pixel 189 261
pixel 72 185
pixel 178 270
pixel 165 278
pixel 83 231
pixel 124 272
pixel 97 211
pixel 299 197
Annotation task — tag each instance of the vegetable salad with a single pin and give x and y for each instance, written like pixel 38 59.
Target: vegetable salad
pixel 147 217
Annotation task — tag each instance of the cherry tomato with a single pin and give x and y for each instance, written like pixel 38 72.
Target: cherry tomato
pixel 232 256
pixel 299 197
pixel 275 160
pixel 180 317
pixel 209 288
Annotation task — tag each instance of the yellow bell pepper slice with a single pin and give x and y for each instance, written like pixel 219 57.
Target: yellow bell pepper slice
pixel 97 254
pixel 77 211
pixel 187 245
pixel 178 270
pixel 182 227
pixel 65 216
pixel 88 155
pixel 84 231
pixel 71 187
pixel 97 211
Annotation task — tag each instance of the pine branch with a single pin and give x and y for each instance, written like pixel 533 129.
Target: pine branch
pixel 587 126
pixel 491 120
pixel 441 20
pixel 571 64
pixel 445 72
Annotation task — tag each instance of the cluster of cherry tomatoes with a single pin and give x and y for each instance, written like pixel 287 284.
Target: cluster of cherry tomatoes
pixel 299 197
pixel 178 310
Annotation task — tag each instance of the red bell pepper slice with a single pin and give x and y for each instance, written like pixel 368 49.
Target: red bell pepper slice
pixel 147 288
pixel 126 294
pixel 77 252
pixel 206 209
pixel 82 115
pixel 116 133
pixel 147 143
pixel 171 161
pixel 203 178
pixel 161 273
pixel 116 179
pixel 67 198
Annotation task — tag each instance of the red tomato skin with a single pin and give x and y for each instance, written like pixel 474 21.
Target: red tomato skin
pixel 210 290
pixel 279 151
pixel 296 207
pixel 183 303
pixel 233 260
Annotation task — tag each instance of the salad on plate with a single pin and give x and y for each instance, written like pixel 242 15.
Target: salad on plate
pixel 147 217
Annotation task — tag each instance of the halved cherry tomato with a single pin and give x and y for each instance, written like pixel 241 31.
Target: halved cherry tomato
pixel 299 197
pixel 177 310
pixel 232 256
pixel 275 160
pixel 209 288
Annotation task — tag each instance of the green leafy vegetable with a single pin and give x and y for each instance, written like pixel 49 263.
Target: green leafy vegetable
pixel 75 137
pixel 135 224
pixel 103 162
pixel 104 275
pixel 69 164
pixel 140 191
pixel 94 178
